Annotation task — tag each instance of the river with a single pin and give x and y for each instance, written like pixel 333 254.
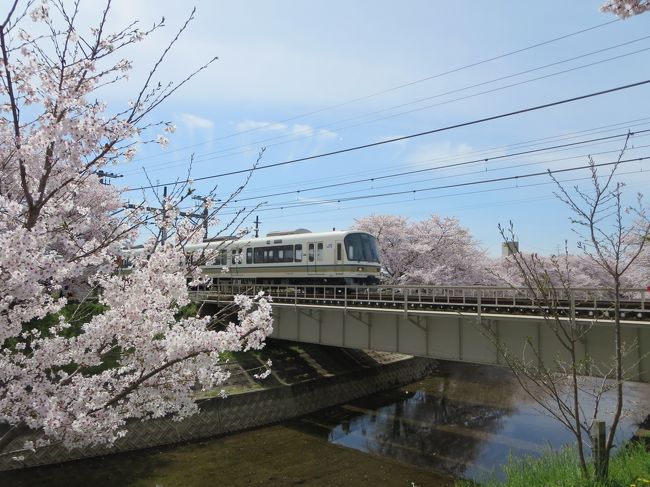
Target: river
pixel 463 421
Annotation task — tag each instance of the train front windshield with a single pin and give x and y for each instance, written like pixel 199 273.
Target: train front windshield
pixel 361 247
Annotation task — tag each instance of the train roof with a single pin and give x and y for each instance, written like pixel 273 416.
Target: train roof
pixel 275 239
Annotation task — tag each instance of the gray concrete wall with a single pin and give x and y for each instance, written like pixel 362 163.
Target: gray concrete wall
pixel 452 336
pixel 242 411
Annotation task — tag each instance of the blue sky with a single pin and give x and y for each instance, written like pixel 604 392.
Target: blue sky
pixel 281 60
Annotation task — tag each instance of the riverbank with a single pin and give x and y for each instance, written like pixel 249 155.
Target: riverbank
pixel 306 378
pixel 461 421
pixel 628 467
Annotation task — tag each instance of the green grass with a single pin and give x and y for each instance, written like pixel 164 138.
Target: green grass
pixel 629 467
pixel 188 311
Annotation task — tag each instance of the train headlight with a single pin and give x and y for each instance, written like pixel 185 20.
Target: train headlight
pixel 359 269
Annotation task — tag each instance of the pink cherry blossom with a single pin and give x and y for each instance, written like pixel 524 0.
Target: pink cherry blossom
pixel 433 251
pixel 61 234
pixel 626 8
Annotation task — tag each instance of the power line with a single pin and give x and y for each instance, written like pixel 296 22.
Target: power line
pixel 227 152
pixel 451 195
pixel 421 181
pixel 405 137
pixel 481 171
pixel 482 152
pixel 436 168
pixel 398 87
pixel 471 173
pixel 457 185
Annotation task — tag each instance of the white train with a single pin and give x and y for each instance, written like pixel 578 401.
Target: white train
pixel 294 257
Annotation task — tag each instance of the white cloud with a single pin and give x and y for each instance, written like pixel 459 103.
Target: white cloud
pixel 295 130
pixel 433 154
pixel 303 129
pixel 327 134
pixel 248 125
pixel 329 203
pixel 196 122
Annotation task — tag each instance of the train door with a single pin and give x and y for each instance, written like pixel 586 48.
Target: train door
pixel 314 257
pixel 338 256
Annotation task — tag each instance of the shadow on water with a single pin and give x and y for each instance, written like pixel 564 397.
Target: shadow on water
pixel 273 456
pixel 461 421
pixel 464 421
pixel 122 469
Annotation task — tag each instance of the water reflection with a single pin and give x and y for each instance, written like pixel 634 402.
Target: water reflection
pixel 465 421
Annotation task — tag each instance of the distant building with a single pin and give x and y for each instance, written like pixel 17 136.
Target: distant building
pixel 509 248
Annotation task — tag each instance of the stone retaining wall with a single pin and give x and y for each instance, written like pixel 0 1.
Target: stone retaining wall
pixel 242 411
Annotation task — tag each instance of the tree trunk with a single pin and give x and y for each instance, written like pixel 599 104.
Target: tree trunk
pixel 619 365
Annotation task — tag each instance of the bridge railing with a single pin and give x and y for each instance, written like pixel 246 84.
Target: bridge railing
pixel 477 299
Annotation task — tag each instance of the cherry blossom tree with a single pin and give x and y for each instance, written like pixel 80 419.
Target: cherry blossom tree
pixel 626 8
pixel 612 236
pixel 77 382
pixel 394 251
pixel 433 251
pixel 584 272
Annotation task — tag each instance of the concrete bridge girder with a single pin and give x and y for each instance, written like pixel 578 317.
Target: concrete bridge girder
pixel 453 336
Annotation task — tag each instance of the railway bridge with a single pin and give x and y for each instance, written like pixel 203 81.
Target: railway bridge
pixel 449 322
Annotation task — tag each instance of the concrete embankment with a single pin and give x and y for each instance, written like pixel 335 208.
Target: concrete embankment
pixel 306 378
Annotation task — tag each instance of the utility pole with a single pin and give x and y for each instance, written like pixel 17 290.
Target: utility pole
pixel 204 215
pixel 205 222
pixel 257 226
pixel 164 216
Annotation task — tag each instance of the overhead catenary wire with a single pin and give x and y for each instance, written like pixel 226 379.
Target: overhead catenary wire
pixel 404 85
pixel 326 198
pixel 482 171
pixel 309 132
pixel 373 180
pixel 484 152
pixel 459 194
pixel 463 184
pixel 405 137
pixel 436 168
pixel 413 192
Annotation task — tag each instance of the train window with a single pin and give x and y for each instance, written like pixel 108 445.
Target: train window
pixel 298 253
pixel 272 255
pixel 338 251
pixel 234 259
pixel 258 255
pixel 311 252
pixel 319 252
pixel 288 253
pixel 361 247
pixel 249 255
